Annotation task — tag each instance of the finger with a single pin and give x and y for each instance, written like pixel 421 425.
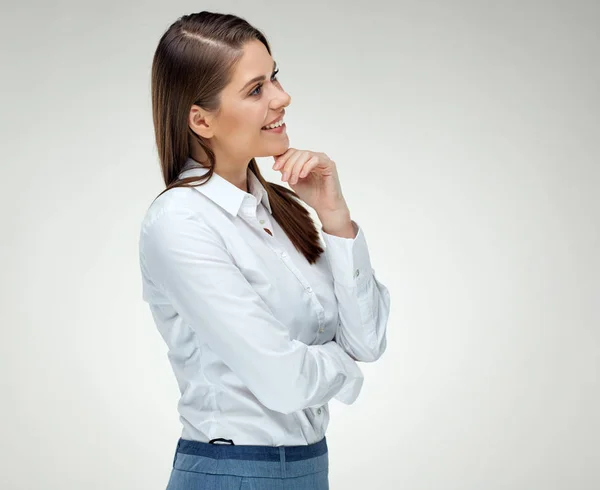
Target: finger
pixel 308 168
pixel 281 159
pixel 300 156
pixel 304 170
pixel 298 165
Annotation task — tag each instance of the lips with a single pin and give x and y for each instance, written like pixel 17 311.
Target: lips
pixel 279 118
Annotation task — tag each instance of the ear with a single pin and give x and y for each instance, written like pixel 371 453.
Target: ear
pixel 201 122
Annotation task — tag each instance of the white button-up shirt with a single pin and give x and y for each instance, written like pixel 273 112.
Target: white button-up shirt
pixel 259 339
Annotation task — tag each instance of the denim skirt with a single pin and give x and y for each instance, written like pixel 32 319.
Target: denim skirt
pixel 209 466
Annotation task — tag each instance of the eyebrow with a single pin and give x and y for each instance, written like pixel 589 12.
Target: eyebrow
pixel 259 78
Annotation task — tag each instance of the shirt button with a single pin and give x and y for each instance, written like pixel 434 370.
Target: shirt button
pixel 309 289
pixel 321 330
pixel 262 221
pixel 284 254
pixel 356 273
pixel 319 411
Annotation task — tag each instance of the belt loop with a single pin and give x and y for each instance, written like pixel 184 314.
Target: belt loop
pixel 282 460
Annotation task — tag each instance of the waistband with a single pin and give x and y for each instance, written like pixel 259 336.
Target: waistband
pixel 251 452
pixel 250 460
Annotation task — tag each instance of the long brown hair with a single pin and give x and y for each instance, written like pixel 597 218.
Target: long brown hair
pixel 193 63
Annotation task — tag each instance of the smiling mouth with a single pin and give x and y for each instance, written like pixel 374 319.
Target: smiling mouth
pixel 277 124
pixel 277 130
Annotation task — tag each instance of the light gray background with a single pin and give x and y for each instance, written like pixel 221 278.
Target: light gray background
pixel 466 136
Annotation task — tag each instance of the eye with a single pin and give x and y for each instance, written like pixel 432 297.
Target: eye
pixel 273 77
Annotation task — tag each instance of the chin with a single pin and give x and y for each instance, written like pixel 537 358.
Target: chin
pixel 273 149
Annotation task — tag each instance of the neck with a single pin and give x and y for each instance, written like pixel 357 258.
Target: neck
pixel 235 172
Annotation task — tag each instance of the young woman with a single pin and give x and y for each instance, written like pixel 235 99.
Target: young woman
pixel 265 317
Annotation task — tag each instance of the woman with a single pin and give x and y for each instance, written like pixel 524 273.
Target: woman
pixel 264 319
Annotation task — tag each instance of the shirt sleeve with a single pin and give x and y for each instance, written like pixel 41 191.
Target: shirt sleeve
pixel 191 265
pixel 363 301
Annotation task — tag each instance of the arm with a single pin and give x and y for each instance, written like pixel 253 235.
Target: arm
pixel 193 268
pixel 363 301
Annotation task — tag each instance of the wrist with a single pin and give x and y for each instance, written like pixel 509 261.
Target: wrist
pixel 340 225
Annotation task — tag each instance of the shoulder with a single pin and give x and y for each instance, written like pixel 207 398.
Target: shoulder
pixel 178 212
pixel 180 202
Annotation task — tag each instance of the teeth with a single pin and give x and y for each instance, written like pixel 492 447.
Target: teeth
pixel 275 125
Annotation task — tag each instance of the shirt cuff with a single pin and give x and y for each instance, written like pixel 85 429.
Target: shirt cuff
pixel 348 258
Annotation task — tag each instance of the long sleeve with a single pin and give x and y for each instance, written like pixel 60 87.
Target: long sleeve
pixel 363 301
pixel 190 264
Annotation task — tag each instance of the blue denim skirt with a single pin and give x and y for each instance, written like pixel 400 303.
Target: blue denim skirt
pixel 208 466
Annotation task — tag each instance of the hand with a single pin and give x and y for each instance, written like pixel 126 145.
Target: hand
pixel 313 177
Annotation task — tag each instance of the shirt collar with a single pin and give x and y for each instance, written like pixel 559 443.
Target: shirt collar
pixel 223 192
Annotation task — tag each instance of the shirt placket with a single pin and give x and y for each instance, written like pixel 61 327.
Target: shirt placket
pixel 258 218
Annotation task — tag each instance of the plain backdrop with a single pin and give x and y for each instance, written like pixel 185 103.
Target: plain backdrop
pixel 467 137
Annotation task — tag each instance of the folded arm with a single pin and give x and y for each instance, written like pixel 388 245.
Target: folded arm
pixel 191 265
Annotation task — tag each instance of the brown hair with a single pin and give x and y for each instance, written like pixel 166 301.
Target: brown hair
pixel 193 63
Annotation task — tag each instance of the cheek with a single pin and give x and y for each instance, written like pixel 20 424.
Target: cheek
pixel 242 127
pixel 253 117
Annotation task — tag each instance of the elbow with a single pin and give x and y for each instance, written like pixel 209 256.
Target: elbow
pixel 372 354
pixel 377 348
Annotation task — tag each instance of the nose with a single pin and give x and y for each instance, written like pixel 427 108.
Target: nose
pixel 281 98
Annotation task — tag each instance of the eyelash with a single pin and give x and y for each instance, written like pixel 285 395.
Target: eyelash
pixel 260 84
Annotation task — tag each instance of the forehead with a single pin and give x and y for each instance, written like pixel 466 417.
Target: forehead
pixel 254 61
